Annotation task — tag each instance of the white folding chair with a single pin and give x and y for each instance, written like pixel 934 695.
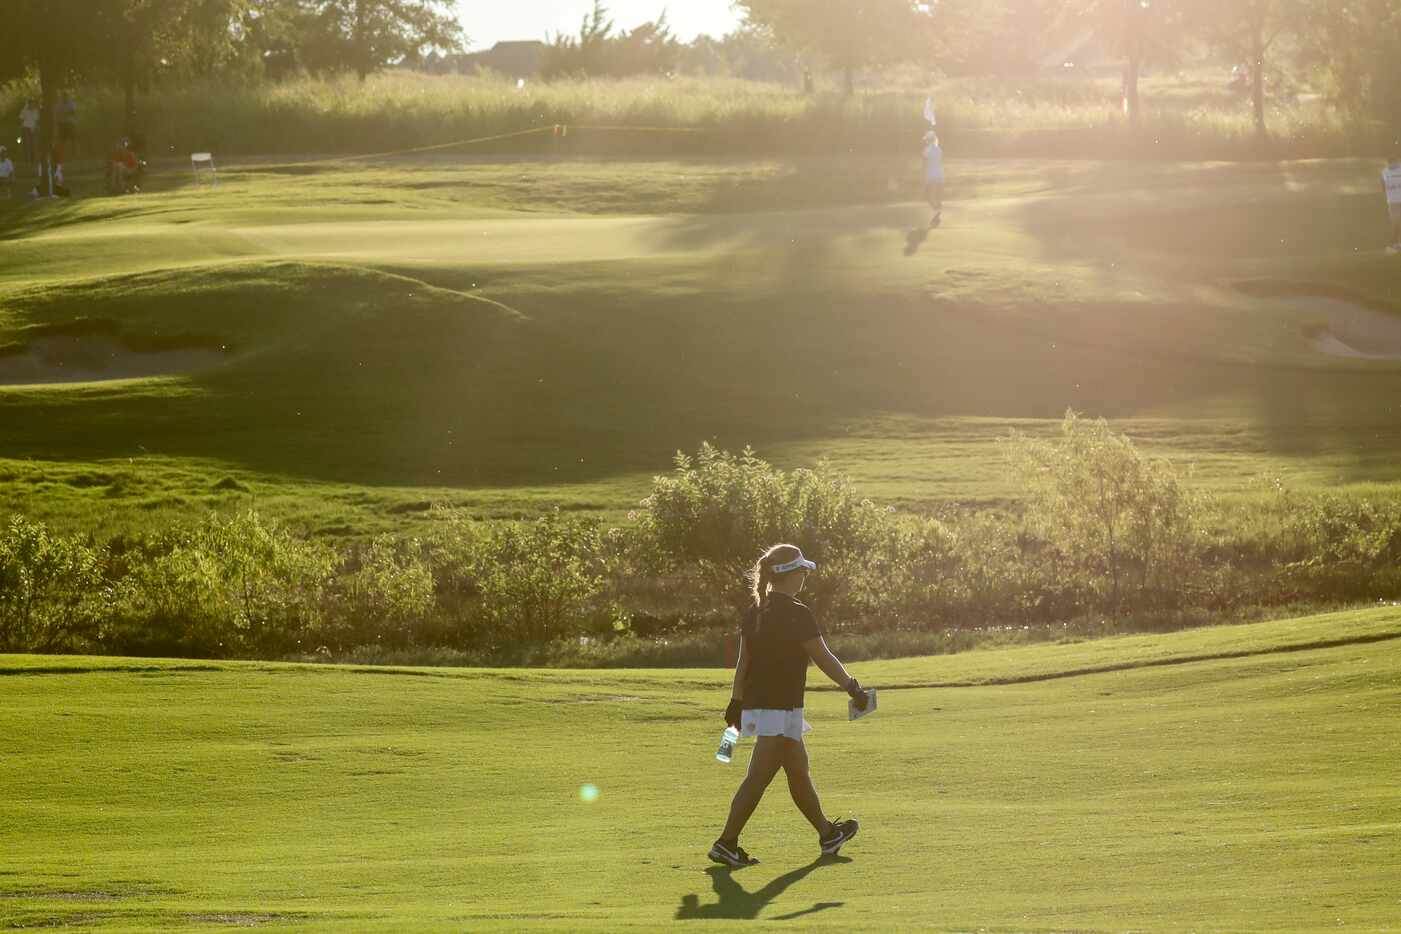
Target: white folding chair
pixel 203 161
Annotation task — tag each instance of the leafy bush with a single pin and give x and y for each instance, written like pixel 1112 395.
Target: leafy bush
pixel 1110 541
pixel 52 592
pixel 386 595
pixel 1121 523
pixel 717 511
pixel 523 583
pixel 1341 548
pixel 230 587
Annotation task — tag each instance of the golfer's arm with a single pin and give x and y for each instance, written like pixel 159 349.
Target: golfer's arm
pixel 825 660
pixel 741 669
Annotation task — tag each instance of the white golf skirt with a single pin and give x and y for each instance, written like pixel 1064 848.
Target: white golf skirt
pixel 764 722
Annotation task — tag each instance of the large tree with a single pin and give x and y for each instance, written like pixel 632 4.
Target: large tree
pixel 846 35
pixel 59 41
pixel 1357 45
pixel 366 35
pixel 994 36
pixel 1248 31
pixel 1138 30
pixel 176 35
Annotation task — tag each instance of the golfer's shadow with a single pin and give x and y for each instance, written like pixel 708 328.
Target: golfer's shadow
pixel 735 902
pixel 915 239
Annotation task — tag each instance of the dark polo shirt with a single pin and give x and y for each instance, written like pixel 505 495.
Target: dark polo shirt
pixel 778 663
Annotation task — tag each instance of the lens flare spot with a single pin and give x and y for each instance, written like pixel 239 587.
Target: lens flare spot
pixel 588 793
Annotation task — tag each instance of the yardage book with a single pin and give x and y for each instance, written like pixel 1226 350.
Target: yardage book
pixel 853 714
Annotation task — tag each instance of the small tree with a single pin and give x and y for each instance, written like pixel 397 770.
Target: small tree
pixel 52 592
pixel 1247 31
pixel 1122 518
pixel 717 511
pixel 600 51
pixel 537 579
pixel 388 595
pixel 231 586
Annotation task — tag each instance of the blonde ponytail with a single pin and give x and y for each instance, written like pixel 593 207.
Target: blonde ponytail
pixel 761 577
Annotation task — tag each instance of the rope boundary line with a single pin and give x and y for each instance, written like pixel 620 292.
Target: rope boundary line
pixel 556 129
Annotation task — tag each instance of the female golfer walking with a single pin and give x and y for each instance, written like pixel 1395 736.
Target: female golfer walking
pixel 779 636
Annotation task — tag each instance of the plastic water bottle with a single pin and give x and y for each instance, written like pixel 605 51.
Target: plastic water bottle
pixel 727 744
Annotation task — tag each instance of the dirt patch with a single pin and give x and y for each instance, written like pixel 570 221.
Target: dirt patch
pixel 86 358
pixel 241 919
pixel 64 896
pixel 45 922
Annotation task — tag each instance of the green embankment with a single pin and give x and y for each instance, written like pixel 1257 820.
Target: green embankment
pixel 1232 779
pixel 511 335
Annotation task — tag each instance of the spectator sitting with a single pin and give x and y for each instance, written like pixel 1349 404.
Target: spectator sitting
pixel 125 171
pixel 7 173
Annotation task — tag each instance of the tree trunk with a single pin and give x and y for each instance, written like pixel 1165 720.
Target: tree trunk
pixel 359 43
pixel 1131 72
pixel 1257 82
pixel 129 92
pixel 48 96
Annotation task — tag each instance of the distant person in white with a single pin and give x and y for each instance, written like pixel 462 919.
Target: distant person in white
pixel 29 131
pixel 934 177
pixel 7 173
pixel 1391 179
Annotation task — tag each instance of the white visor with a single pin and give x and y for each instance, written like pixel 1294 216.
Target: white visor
pixel 797 563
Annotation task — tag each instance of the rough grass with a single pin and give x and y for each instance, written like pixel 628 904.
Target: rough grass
pixel 1190 114
pixel 1225 779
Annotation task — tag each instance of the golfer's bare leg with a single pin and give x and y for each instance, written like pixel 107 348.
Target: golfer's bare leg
pixel 763 766
pixel 795 765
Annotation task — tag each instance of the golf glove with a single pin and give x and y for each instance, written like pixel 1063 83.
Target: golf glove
pixel 858 696
pixel 733 712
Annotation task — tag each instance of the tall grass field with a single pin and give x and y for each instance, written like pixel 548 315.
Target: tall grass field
pixel 1236 779
pixel 1188 115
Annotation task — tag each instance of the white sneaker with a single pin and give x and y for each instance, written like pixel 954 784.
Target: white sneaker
pixel 1394 249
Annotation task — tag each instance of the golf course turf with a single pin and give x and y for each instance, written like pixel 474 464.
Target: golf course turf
pixel 507 336
pixel 1225 779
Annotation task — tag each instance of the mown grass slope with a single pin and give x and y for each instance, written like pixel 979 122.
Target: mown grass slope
pixel 1234 779
pixel 510 335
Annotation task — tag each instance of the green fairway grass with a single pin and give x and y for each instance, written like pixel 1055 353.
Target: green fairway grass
pixel 506 336
pixel 1228 779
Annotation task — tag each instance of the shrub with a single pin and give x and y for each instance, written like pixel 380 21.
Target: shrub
pixel 522 583
pixel 52 591
pixel 1341 548
pixel 230 587
pixel 717 512
pixel 385 596
pixel 1122 523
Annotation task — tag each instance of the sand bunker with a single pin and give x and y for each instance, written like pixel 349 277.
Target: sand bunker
pixel 1342 328
pixel 91 358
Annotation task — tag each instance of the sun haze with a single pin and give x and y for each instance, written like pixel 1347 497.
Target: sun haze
pixel 536 19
